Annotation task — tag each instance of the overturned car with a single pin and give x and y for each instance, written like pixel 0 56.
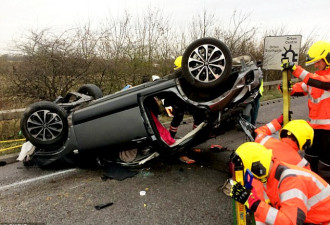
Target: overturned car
pixel 209 83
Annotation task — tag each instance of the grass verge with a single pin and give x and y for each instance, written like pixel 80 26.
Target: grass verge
pixel 271 94
pixel 10 131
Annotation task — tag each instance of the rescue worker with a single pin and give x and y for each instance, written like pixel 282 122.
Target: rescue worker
pixel 178 114
pixel 317 86
pixel 294 136
pixel 297 195
pixel 256 102
pixel 251 111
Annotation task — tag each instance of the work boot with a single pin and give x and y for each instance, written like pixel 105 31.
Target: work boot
pixel 173 130
pixel 172 134
pixel 313 161
pixel 324 171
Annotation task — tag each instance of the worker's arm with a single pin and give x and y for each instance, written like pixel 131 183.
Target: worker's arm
pixel 299 89
pixel 290 210
pixel 290 215
pixel 312 79
pixel 268 129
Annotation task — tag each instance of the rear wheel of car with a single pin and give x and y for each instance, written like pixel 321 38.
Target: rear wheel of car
pixel 45 124
pixel 206 63
pixel 91 90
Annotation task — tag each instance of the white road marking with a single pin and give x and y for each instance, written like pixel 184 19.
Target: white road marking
pixel 36 179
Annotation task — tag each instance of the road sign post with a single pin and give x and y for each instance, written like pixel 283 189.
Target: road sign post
pixel 286 77
pixel 278 50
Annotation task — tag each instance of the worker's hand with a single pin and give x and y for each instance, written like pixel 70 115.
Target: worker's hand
pixel 280 86
pixel 239 193
pixel 290 115
pixel 280 119
pixel 245 196
pixel 253 201
pixel 289 66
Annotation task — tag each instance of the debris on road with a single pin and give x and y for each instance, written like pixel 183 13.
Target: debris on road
pixel 213 148
pixel 102 206
pixel 217 148
pixel 225 188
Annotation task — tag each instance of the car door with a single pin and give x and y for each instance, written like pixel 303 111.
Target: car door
pixel 114 121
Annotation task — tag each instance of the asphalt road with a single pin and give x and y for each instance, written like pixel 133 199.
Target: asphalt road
pixel 175 193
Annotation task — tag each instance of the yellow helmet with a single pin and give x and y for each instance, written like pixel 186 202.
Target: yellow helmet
pixel 302 132
pixel 177 62
pixel 319 50
pixel 254 157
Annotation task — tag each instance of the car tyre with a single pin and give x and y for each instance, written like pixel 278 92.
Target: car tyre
pixel 91 90
pixel 206 63
pixel 45 124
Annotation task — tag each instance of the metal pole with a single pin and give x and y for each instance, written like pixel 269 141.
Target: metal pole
pixel 286 93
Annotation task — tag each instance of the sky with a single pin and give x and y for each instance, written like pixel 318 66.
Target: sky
pixel 19 17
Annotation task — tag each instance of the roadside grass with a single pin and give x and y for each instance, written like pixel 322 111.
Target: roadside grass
pixel 10 131
pixel 10 151
pixel 271 94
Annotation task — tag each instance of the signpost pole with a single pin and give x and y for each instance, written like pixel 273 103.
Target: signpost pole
pixel 286 76
pixel 277 50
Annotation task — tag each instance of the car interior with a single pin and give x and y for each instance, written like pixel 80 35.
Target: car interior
pixel 161 121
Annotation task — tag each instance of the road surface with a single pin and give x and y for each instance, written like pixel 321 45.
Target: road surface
pixel 175 193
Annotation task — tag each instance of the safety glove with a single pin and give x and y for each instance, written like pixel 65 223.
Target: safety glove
pixel 245 196
pixel 280 119
pixel 289 66
pixel 280 86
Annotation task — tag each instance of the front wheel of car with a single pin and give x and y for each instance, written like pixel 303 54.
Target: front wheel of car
pixel 206 63
pixel 91 90
pixel 45 124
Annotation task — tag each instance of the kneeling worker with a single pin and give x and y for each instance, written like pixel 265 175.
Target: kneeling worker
pixel 294 136
pixel 296 195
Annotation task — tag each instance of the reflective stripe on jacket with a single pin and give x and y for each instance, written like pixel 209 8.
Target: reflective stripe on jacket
pixel 318 90
pixel 297 196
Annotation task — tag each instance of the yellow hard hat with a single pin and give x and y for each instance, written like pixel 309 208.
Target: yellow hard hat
pixel 177 62
pixel 301 130
pixel 256 158
pixel 319 50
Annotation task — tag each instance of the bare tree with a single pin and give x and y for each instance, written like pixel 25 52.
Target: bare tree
pixel 53 64
pixel 203 25
pixel 122 51
pixel 239 34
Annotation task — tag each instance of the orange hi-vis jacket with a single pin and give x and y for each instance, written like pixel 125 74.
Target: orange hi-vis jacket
pixel 297 196
pixel 317 86
pixel 285 149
